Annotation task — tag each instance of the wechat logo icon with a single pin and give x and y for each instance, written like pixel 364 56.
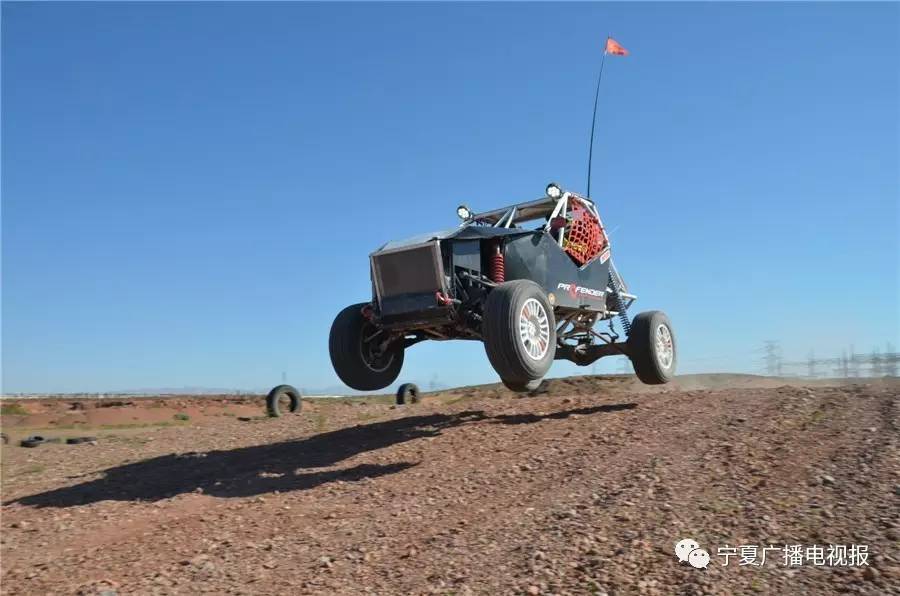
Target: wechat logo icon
pixel 689 551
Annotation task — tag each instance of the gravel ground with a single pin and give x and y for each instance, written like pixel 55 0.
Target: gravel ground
pixel 583 488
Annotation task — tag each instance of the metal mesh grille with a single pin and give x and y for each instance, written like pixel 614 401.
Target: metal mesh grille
pixel 584 240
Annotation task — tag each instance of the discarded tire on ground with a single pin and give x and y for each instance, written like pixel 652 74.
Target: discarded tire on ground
pixel 33 441
pixel 407 393
pixel 273 406
pixel 78 440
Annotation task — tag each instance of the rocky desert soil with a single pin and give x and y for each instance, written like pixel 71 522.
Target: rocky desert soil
pixel 582 488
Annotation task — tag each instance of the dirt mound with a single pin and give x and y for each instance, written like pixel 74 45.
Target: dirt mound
pixel 583 487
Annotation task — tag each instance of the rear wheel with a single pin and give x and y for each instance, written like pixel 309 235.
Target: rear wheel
pixel 359 354
pixel 651 347
pixel 519 333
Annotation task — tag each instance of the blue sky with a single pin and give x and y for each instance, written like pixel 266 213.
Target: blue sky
pixel 190 191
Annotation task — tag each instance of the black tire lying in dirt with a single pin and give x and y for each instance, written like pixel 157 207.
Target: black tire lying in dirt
pixel 519 333
pixel 651 347
pixel 79 440
pixel 33 441
pixel 407 393
pixel 273 406
pixel 353 346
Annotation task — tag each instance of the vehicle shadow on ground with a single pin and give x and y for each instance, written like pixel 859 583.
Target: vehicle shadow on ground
pixel 284 466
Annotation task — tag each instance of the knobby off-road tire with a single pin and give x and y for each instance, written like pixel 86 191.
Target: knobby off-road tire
pixel 351 356
pixel 519 332
pixel 408 393
pixel 651 347
pixel 273 400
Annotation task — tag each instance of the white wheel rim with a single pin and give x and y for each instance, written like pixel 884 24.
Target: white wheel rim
pixel 534 329
pixel 665 347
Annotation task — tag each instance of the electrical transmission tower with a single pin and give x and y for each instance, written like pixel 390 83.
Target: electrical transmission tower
pixel 811 365
pixel 877 368
pixel 890 361
pixel 855 362
pixel 772 357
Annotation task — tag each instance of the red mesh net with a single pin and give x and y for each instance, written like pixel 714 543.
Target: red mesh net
pixel 584 238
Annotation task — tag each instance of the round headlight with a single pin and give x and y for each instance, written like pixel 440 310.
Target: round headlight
pixel 463 212
pixel 554 191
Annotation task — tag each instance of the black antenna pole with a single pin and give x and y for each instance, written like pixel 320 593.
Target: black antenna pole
pixel 594 118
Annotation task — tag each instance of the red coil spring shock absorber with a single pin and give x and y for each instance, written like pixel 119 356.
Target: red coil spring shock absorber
pixel 498 267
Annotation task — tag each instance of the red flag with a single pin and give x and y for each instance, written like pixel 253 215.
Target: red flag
pixel 613 47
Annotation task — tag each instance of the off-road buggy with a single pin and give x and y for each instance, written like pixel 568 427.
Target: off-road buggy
pixel 531 294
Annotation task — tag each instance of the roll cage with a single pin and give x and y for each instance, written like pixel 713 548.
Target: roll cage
pixel 546 207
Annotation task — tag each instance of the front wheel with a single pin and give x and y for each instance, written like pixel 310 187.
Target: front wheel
pixel 360 354
pixel 651 347
pixel 519 333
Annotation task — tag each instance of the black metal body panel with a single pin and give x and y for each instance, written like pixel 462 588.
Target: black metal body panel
pixel 539 257
pixel 413 310
pixel 466 254
pixel 407 303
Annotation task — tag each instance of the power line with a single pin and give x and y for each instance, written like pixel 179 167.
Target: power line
pixel 851 364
